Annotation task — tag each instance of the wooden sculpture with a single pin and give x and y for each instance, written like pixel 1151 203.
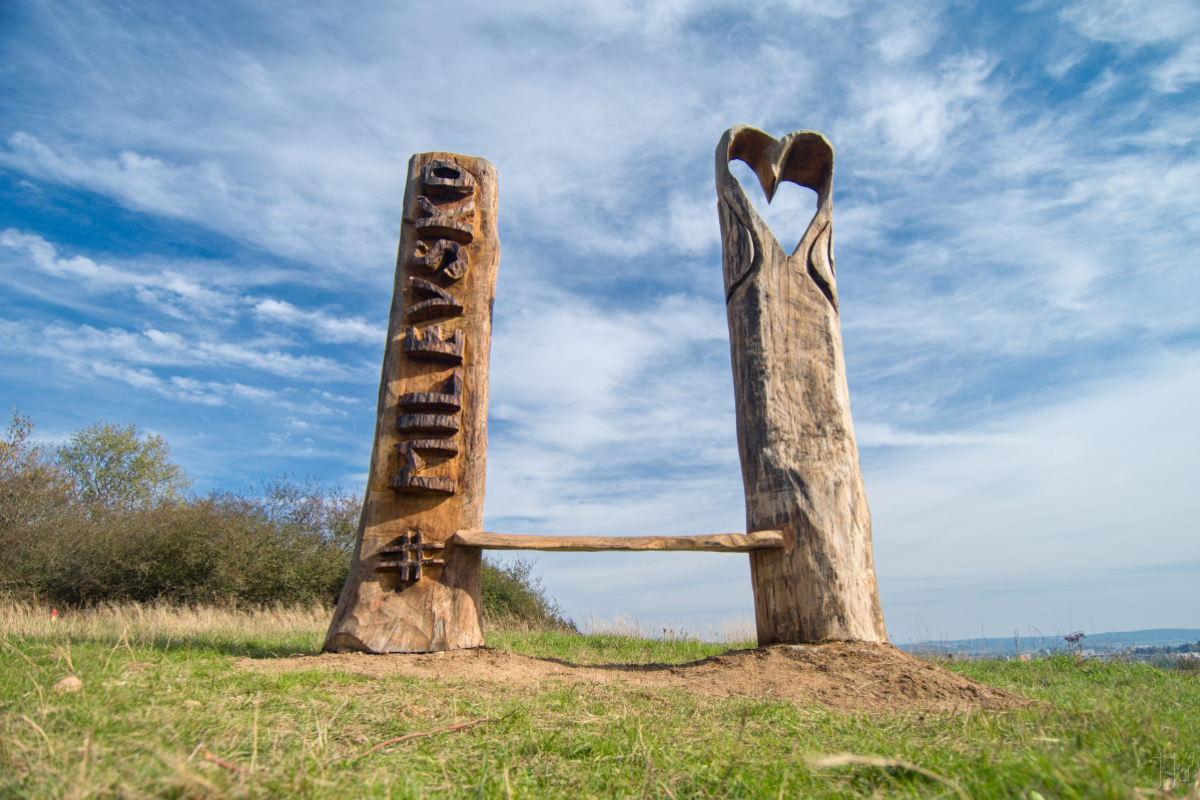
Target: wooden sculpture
pixel 414 580
pixel 411 588
pixel 795 437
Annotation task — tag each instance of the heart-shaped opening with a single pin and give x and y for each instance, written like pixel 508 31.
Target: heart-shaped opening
pixel 787 214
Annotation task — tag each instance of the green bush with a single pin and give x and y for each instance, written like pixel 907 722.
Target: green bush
pixel 33 489
pixel 511 594
pixel 106 518
pixel 224 548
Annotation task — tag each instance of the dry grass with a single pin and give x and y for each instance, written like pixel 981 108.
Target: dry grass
pixel 156 621
pixel 147 622
pixel 300 630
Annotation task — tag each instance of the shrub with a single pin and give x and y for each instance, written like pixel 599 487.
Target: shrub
pixel 511 594
pixel 223 548
pixel 32 486
pixel 34 497
pixel 106 519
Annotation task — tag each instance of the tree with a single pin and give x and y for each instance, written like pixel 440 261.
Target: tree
pixel 32 487
pixel 35 498
pixel 16 451
pixel 113 466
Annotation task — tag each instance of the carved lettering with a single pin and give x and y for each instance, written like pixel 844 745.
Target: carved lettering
pixel 447 401
pixel 406 556
pixel 456 222
pixel 442 304
pixel 447 447
pixel 444 256
pixel 408 484
pixel 428 343
pixel 427 423
pixel 445 179
pixel 407 480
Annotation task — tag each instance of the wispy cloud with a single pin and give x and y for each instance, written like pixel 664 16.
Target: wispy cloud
pixel 163 289
pixel 323 326
pixel 914 113
pixel 182 296
pixel 1174 23
pixel 144 182
pixel 1051 508
pixel 84 344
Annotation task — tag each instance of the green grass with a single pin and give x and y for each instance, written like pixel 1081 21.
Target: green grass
pixel 161 690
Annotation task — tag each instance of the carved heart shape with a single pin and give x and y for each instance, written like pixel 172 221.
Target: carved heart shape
pixel 802 157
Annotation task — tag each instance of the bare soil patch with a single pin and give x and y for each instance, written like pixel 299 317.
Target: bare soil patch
pixel 846 676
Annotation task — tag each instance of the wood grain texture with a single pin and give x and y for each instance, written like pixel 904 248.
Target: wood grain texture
pixel 426 476
pixel 799 458
pixel 712 543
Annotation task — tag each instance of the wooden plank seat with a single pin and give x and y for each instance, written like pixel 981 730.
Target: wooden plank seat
pixel 711 543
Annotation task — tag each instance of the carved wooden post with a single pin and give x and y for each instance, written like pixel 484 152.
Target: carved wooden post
pixel 795 437
pixel 411 589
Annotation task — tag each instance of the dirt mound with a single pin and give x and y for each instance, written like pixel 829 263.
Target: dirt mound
pixel 848 676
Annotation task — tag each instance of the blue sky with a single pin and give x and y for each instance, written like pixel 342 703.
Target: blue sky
pixel 199 208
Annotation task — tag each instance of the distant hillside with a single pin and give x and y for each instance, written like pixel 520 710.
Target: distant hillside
pixel 1120 640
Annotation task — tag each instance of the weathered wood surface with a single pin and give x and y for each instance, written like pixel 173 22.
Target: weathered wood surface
pixel 799 458
pixel 411 589
pixel 711 543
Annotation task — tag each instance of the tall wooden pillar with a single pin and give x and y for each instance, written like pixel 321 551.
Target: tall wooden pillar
pixel 795 436
pixel 411 589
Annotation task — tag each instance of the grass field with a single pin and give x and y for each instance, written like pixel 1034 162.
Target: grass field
pixel 163 709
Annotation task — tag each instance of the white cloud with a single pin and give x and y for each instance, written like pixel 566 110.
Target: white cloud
pixel 1058 240
pixel 316 172
pixel 285 220
pixel 84 347
pixel 835 9
pixel 591 406
pixel 323 326
pixel 1131 21
pixel 905 32
pixel 1179 70
pixel 167 291
pixel 163 289
pixel 144 182
pixel 1067 497
pixel 872 434
pixel 916 112
pixel 592 377
pixel 689 228
pixel 1132 24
